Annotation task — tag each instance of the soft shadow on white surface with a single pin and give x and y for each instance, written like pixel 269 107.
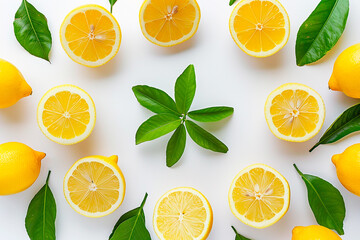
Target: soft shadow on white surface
pixel 109 69
pixel 15 113
pixel 185 46
pixel 273 62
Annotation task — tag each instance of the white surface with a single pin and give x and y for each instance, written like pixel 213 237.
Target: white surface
pixel 225 76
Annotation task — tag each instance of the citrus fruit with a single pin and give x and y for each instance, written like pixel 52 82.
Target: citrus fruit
pixel 95 186
pixel 90 35
pixel 66 114
pixel 183 214
pixel 259 196
pixel 19 167
pixel 169 22
pixel 314 232
pixel 346 72
pixel 348 168
pixel 13 86
pixel 260 27
pixel 294 112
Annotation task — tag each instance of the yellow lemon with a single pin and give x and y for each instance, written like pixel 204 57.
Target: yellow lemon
pixel 90 35
pixel 13 86
pixel 66 114
pixel 346 72
pixel 314 232
pixel 19 167
pixel 183 214
pixel 294 112
pixel 169 22
pixel 259 196
pixel 348 168
pixel 95 186
pixel 260 28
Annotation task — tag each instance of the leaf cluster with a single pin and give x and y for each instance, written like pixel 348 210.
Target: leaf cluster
pixel 173 115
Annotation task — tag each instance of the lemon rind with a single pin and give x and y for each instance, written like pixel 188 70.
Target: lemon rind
pixel 92 111
pixel 295 86
pixel 118 174
pixel 172 42
pixel 278 216
pixel 78 59
pixel 261 54
pixel 209 220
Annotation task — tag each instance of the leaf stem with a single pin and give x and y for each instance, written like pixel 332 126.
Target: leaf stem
pixel 315 146
pixel 48 176
pixel 144 200
pixel 234 229
pixel 298 170
pixel 111 8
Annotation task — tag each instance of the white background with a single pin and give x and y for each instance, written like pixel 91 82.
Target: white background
pixel 225 76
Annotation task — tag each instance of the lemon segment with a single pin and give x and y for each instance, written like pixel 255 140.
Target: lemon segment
pixel 13 86
pixel 169 22
pixel 90 35
pixel 294 112
pixel 19 166
pixel 66 114
pixel 260 27
pixel 183 214
pixel 259 196
pixel 95 186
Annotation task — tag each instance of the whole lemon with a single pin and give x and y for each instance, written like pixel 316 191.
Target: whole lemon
pixel 13 86
pixel 348 168
pixel 19 167
pixel 314 232
pixel 346 72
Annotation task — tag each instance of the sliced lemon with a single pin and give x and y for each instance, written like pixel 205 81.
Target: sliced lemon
pixel 294 112
pixel 260 27
pixel 95 186
pixel 169 22
pixel 90 35
pixel 66 114
pixel 259 196
pixel 183 214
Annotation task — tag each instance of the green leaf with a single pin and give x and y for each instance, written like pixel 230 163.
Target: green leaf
pixel 176 146
pixel 131 225
pixel 232 2
pixel 41 215
pixel 185 88
pixel 321 31
pixel 325 201
pixel 155 99
pixel 32 31
pixel 205 139
pixel 157 126
pixel 238 236
pixel 112 3
pixel 212 114
pixel 348 122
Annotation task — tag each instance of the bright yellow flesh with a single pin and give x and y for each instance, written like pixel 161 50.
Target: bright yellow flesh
pixel 260 26
pixel 258 195
pixel 90 35
pixel 66 115
pixel 295 113
pixel 182 215
pixel 93 187
pixel 169 21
